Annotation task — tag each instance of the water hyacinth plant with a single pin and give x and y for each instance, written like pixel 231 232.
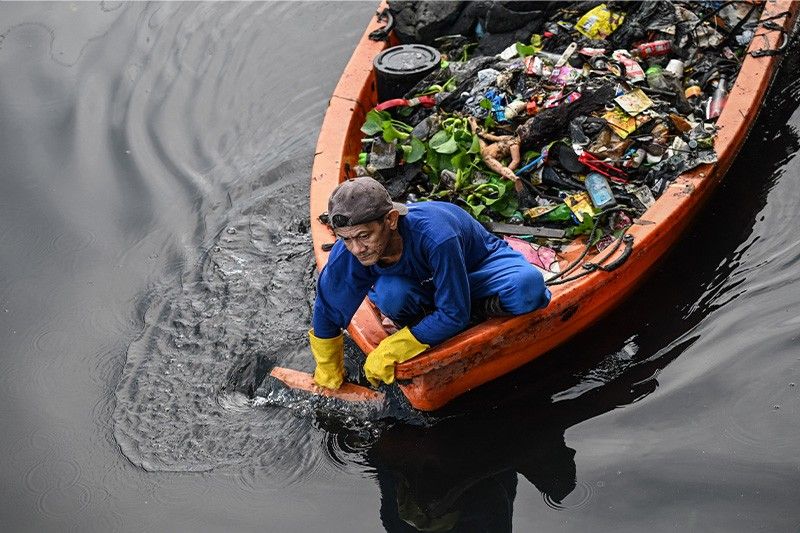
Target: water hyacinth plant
pixel 451 162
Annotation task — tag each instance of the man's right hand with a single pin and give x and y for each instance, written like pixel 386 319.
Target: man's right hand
pixel 329 355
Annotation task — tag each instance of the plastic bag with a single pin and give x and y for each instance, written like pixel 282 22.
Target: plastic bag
pixel 599 23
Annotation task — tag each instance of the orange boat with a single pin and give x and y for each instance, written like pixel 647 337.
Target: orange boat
pixel 500 345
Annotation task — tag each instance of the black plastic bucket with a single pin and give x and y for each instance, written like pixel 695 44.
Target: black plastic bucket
pixel 399 68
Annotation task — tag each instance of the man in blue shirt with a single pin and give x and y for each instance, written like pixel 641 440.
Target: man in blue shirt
pixel 425 267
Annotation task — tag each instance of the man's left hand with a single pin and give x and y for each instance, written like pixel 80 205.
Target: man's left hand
pixel 395 348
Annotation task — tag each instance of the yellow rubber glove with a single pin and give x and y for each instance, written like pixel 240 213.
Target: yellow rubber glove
pixel 329 355
pixel 395 348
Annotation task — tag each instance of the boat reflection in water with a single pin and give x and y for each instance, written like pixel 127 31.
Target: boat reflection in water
pixel 454 479
pixel 461 474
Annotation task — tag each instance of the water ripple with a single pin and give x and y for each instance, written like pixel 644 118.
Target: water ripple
pixel 249 295
pixel 764 416
pixel 53 473
pixel 63 502
pixel 581 495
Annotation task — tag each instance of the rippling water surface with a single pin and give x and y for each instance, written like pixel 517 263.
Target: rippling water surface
pixel 154 234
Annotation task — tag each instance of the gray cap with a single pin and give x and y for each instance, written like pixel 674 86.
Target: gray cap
pixel 358 201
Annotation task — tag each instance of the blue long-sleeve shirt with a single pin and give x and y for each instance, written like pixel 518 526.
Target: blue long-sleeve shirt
pixel 441 243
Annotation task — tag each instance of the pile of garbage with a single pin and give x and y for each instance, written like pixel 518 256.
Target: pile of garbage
pixel 570 122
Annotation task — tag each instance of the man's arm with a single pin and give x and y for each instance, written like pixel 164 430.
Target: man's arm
pixel 342 286
pixel 451 295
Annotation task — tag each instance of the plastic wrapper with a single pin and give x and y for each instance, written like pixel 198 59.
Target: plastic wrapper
pixel 599 22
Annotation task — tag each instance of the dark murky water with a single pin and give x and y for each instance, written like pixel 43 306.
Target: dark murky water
pixel 153 213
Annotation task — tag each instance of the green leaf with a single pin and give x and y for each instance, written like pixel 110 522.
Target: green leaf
pixel 475 208
pixel 525 50
pixel 463 138
pixel 381 121
pixel 462 178
pixel 374 122
pixel 433 89
pixel 445 162
pixel 416 150
pixel 400 125
pixel 448 147
pixel 390 133
pixel 489 192
pixel 465 53
pixel 475 145
pixel 507 206
pixel 362 159
pixel 406 152
pixel 438 138
pixel 443 143
pixel 449 123
pixel 461 161
pixel 437 162
pixel 486 104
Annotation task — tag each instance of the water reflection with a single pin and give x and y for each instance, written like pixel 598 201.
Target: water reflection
pixel 461 474
pixel 438 483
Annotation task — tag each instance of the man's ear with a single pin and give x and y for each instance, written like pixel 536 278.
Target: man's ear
pixel 392 217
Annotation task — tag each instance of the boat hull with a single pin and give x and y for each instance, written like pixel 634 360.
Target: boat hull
pixel 499 346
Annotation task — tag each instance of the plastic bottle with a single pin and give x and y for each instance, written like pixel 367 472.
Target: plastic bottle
pixel 656 79
pixel 718 99
pixel 653 49
pixel 516 107
pixel 599 190
pixel 550 57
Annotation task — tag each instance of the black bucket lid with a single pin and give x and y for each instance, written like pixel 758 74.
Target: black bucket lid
pixel 407 59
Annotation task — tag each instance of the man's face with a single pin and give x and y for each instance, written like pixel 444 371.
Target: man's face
pixel 368 241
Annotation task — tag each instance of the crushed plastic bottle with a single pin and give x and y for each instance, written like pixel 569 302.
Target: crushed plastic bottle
pixel 599 190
